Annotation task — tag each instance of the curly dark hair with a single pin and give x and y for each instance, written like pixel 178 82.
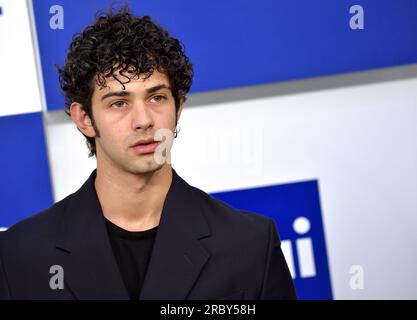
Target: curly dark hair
pixel 119 41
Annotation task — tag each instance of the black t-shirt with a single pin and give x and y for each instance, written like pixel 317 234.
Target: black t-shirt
pixel 132 251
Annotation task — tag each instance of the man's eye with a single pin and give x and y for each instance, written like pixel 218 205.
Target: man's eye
pixel 159 98
pixel 118 104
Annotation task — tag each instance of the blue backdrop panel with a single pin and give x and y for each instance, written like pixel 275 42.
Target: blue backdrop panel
pixel 285 203
pixel 25 182
pixel 238 43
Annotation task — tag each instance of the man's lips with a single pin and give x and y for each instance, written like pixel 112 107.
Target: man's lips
pixel 143 141
pixel 145 146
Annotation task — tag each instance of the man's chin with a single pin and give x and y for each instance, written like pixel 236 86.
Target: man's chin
pixel 146 168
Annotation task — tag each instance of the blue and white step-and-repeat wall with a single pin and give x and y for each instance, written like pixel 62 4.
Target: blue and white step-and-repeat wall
pixel 304 111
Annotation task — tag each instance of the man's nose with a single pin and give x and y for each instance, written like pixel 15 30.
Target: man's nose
pixel 141 117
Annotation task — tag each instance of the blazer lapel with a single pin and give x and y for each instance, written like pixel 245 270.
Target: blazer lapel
pixel 177 256
pixel 85 253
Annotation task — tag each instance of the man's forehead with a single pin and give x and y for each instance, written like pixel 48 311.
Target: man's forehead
pixel 130 79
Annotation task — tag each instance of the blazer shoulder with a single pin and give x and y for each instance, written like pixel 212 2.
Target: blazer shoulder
pixel 38 225
pixel 220 213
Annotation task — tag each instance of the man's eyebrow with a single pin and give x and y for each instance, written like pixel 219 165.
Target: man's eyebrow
pixel 124 93
pixel 115 94
pixel 157 87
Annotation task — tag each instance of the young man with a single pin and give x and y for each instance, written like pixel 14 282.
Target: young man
pixel 135 229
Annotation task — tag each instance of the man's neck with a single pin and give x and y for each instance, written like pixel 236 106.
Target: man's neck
pixel 133 202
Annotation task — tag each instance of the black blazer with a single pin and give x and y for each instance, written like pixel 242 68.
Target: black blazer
pixel 204 249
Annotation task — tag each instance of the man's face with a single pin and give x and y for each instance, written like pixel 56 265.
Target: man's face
pixel 124 117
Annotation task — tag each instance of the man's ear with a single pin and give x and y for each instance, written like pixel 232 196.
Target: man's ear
pixel 82 120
